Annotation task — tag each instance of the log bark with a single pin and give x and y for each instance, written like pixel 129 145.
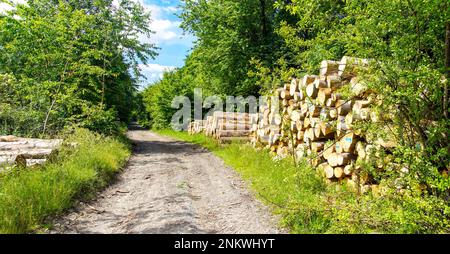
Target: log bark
pixel 222 134
pixel 9 138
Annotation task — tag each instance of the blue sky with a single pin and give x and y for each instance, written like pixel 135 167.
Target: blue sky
pixel 174 46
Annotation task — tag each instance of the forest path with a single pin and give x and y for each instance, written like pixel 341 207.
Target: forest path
pixel 172 187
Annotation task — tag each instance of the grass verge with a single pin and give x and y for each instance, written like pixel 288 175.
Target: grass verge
pixel 29 196
pixel 308 205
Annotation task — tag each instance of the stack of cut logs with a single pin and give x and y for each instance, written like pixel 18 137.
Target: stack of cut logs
pixel 226 126
pixel 196 126
pixel 26 152
pixel 310 118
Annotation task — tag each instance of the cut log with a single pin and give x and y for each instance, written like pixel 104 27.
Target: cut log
pixel 341 127
pixel 329 171
pixel 285 95
pixel 325 114
pixel 343 107
pixel 348 170
pixel 308 79
pixel 300 135
pixel 320 82
pixel 360 104
pixel 234 139
pixel 350 66
pixel 330 103
pixel 35 162
pixel 328 67
pixel 294 87
pixel 340 159
pixel 32 154
pixel 300 151
pixel 296 115
pixel 27 144
pixel 299 96
pixel 323 95
pixel 339 172
pixel 234 127
pixel 333 113
pixel 328 151
pixel 312 91
pixel 314 111
pixel 334 82
pixel 304 108
pixel 10 159
pixel 359 88
pixel 317 147
pixel 326 128
pixel 338 147
pixel 360 149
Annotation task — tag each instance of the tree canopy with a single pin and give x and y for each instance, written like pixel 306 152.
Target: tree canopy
pixel 70 62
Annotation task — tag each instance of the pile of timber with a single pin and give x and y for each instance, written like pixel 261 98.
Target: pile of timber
pixel 228 126
pixel 26 152
pixel 196 126
pixel 310 118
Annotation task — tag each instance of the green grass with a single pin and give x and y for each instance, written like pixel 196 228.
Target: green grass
pixel 29 197
pixel 308 205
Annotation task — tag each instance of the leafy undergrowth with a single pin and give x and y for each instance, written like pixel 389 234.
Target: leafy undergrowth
pixel 30 196
pixel 308 205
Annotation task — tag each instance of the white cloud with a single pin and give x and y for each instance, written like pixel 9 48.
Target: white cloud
pixel 154 72
pixel 4 7
pixel 166 30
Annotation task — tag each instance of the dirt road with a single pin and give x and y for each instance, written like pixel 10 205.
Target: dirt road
pixel 172 187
